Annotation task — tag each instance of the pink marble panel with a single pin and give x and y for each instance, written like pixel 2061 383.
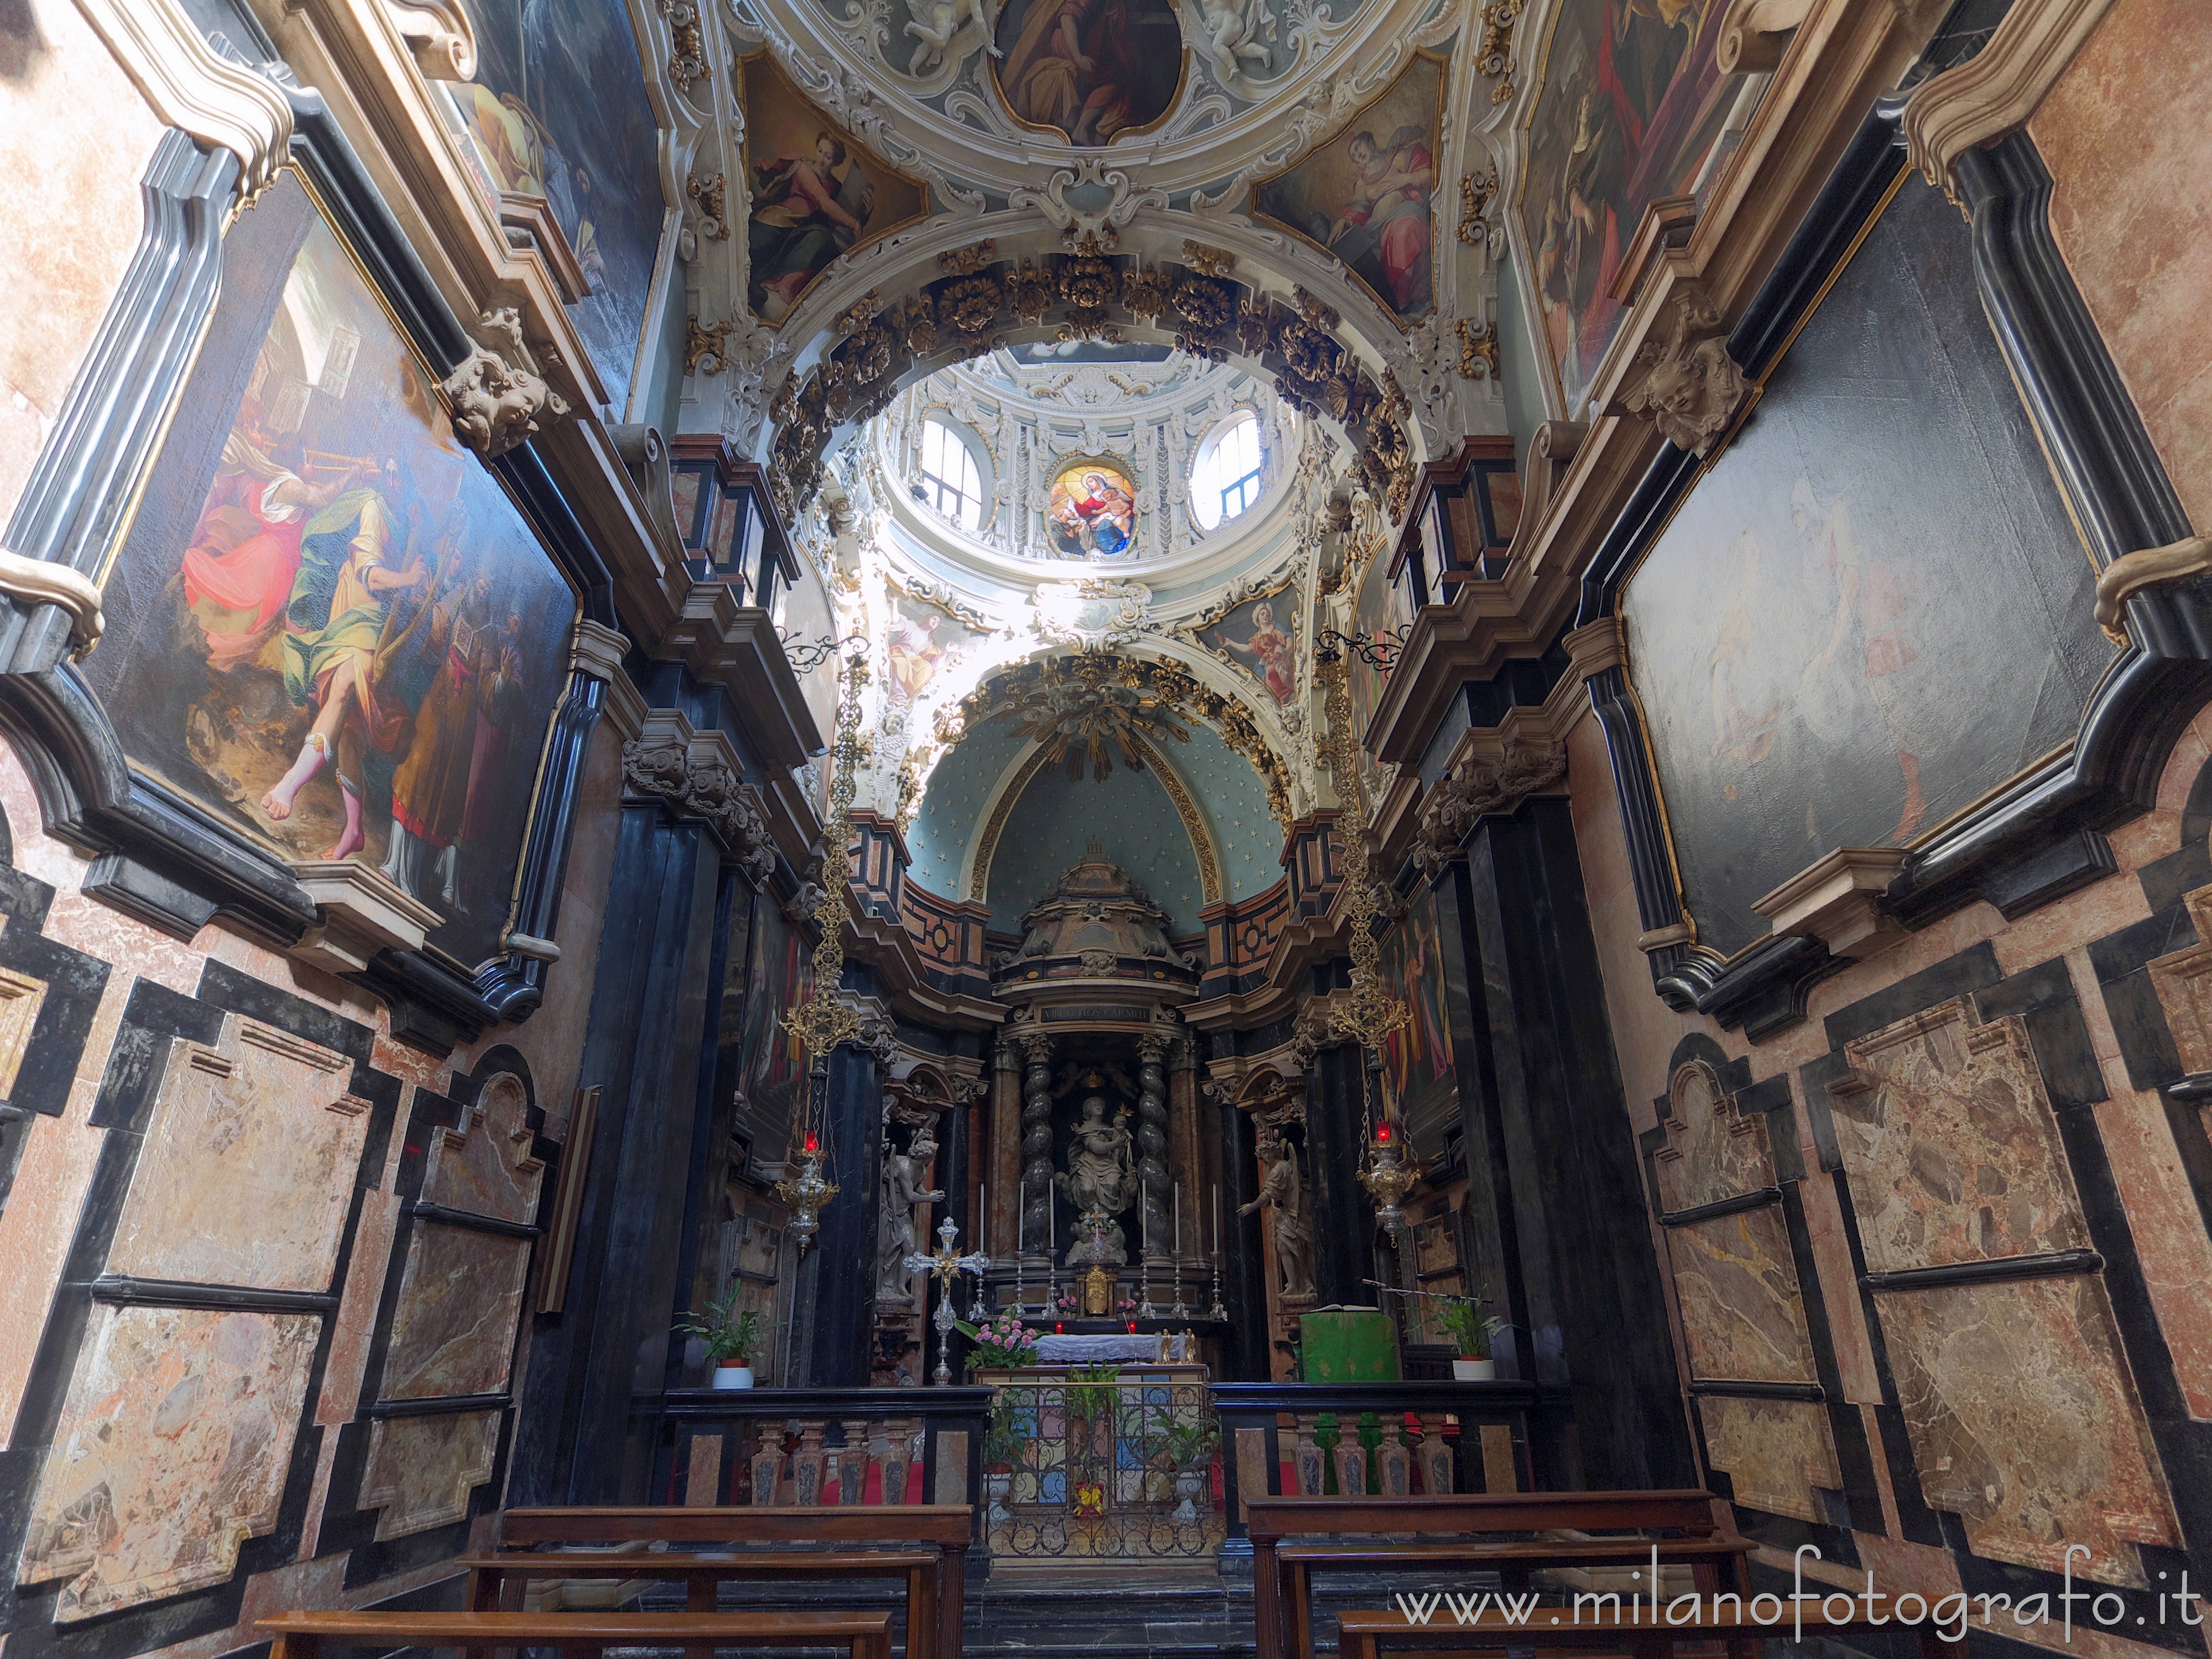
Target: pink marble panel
pixel 2024 1422
pixel 1743 1314
pixel 248 1166
pixel 420 1470
pixel 485 1167
pixel 171 1451
pixel 1949 1143
pixel 1774 1452
pixel 1714 1150
pixel 459 1297
pixel 2127 134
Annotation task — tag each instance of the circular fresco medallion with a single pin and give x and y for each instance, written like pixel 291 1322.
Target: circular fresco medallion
pixel 1092 512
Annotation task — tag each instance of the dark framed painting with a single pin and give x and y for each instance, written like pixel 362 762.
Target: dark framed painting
pixel 1419 1086
pixel 558 110
pixel 1380 609
pixel 1822 665
pixel 817 191
pixel 1367 195
pixel 774 1069
pixel 1260 637
pixel 331 626
pixel 1091 70
pixel 1631 109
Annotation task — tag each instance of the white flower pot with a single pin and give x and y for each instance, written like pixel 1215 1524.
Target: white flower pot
pixel 734 1377
pixel 1474 1371
pixel 1189 1485
pixel 997 1487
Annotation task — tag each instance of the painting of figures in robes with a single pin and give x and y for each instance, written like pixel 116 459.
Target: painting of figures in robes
pixel 1365 196
pixel 1632 109
pixel 331 626
pixel 817 194
pixel 1089 69
pixel 920 643
pixel 1260 636
pixel 1417 1080
pixel 1091 511
pixel 773 1071
pixel 558 110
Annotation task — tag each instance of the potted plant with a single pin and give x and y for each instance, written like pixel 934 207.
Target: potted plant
pixel 1090 1399
pixel 1470 1329
pixel 1002 1449
pixel 730 1337
pixel 1190 1448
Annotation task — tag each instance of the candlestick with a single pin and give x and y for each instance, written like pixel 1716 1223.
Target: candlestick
pixel 983 1216
pixel 1216 1223
pixel 1178 1204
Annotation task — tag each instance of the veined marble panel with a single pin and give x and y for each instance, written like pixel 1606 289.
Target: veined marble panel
pixel 2183 981
pixel 420 1470
pixel 1951 1146
pixel 485 1168
pixel 459 1297
pixel 1714 1150
pixel 2025 1422
pixel 248 1165
pixel 1774 1452
pixel 1743 1312
pixel 171 1452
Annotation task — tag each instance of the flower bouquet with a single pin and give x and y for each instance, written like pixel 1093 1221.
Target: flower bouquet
pixel 1001 1342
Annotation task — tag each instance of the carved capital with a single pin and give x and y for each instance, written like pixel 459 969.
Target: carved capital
pixel 1478 786
pixel 695 774
pixel 1754 33
pixel 1691 387
pixel 496 396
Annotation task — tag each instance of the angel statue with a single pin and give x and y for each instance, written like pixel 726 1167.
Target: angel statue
pixel 903 1193
pixel 946 18
pixel 1232 32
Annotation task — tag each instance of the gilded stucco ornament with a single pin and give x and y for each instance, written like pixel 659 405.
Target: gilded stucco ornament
pixel 1691 387
pixel 495 393
pixel 1478 786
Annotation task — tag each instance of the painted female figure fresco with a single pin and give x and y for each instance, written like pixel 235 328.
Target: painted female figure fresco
pixel 805 215
pixel 1269 652
pixel 1092 511
pixel 1090 68
pixel 1386 223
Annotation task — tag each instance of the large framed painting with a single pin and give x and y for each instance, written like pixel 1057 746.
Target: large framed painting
pixel 1091 70
pixel 558 111
pixel 1631 109
pixel 331 627
pixel 774 1069
pixel 1366 195
pixel 816 192
pixel 1823 664
pixel 1418 1084
pixel 1260 637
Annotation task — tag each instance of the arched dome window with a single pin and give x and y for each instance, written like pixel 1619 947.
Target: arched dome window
pixel 951 482
pixel 1225 478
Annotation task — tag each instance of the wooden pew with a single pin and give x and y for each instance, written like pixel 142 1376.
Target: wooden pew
pixel 943 1528
pixel 303 1635
pixel 1463 1531
pixel 1364 1635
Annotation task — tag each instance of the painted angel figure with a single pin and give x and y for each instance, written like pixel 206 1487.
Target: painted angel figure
pixel 946 19
pixel 1233 33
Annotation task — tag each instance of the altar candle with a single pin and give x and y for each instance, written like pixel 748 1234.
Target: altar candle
pixel 982 1215
pixel 1178 1198
pixel 1021 1225
pixel 1216 1223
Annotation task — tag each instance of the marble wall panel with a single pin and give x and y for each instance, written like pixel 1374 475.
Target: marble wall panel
pixel 459 1296
pixel 1774 1452
pixel 75 139
pixel 2024 1422
pixel 248 1165
pixel 2183 981
pixel 171 1451
pixel 420 1470
pixel 1950 1144
pixel 1714 1150
pixel 2127 134
pixel 485 1167
pixel 1743 1313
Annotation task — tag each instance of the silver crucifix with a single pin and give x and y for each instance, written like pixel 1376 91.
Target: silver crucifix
pixel 945 1263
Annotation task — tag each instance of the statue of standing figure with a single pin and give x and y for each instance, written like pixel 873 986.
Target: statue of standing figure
pixel 1284 1194
pixel 903 1193
pixel 1101 1178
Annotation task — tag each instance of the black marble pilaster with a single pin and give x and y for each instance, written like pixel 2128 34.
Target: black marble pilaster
pixel 1245 1266
pixel 1343 1216
pixel 836 1341
pixel 1588 1276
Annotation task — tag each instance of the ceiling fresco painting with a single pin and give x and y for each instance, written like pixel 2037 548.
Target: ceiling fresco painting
pixel 558 111
pixel 1092 71
pixel 1366 195
pixel 818 193
pixel 1631 110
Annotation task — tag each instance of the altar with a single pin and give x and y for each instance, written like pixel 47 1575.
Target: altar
pixel 1114 1347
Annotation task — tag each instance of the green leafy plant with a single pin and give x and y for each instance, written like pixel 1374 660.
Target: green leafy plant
pixel 1091 1391
pixel 1002 1442
pixel 1470 1328
pixel 1001 1342
pixel 729 1334
pixel 1190 1442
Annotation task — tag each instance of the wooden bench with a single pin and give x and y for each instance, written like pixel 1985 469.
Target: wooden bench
pixel 940 1531
pixel 495 1582
pixel 1364 1635
pixel 303 1635
pixel 1462 1531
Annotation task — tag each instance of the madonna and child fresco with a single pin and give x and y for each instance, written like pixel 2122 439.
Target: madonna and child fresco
pixel 1633 109
pixel 333 628
pixel 1366 195
pixel 1091 69
pixel 816 193
pixel 558 110
pixel 1092 511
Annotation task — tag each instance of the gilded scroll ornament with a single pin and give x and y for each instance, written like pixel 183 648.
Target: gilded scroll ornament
pixel 705 350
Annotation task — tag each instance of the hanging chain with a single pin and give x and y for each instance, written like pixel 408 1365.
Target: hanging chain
pixel 1372 1013
pixel 825 1020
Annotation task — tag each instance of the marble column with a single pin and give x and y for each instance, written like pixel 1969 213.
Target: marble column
pixel 1343 1215
pixel 1005 1160
pixel 1155 1225
pixel 1036 1222
pixel 1192 1169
